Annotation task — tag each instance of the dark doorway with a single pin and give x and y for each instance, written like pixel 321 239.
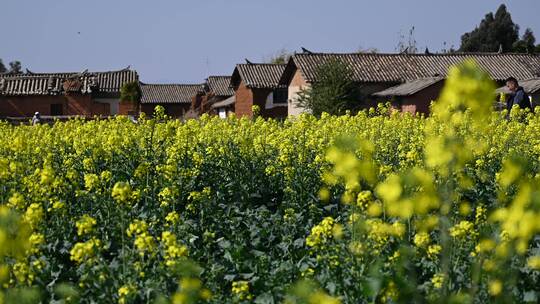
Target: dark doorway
pixel 57 109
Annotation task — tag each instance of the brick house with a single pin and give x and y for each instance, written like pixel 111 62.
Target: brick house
pixel 258 84
pixel 175 98
pixel 214 90
pixel 59 94
pixel 413 96
pixel 414 78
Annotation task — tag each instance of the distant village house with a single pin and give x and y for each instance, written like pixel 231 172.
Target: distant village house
pixel 210 99
pixel 176 99
pixel 57 94
pixel 409 81
pixel 257 84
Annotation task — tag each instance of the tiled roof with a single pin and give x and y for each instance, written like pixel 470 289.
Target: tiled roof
pixel 531 86
pixel 224 103
pixel 168 93
pixel 31 83
pixel 258 75
pixel 15 85
pixel 220 85
pixel 410 87
pixel 402 67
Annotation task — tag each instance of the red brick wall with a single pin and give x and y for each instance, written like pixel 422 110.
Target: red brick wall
pixel 176 110
pixel 77 104
pixel 246 98
pixel 244 101
pixel 73 104
pixel 419 102
pixel 101 109
pixel 127 107
pixel 199 103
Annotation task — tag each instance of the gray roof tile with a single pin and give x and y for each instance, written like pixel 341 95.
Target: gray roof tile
pixel 410 87
pixel 220 85
pixel 258 75
pixel 168 93
pixel 402 67
pixel 531 86
pixel 31 83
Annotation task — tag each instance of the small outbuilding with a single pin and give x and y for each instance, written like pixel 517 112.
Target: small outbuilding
pixel 176 99
pixel 257 84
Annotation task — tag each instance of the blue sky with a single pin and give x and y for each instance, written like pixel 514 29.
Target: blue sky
pixel 183 41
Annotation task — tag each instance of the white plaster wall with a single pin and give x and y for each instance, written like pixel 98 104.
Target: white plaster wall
pixel 293 108
pixel 295 86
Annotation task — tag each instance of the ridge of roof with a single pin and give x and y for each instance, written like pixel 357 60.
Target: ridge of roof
pixel 418 54
pixel 396 67
pixel 169 84
pixel 126 69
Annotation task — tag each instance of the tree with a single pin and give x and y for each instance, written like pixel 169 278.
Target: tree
pixel 526 44
pixel 2 67
pixel 15 67
pixel 493 32
pixel 369 50
pixel 130 92
pixel 333 93
pixel 407 44
pixel 280 57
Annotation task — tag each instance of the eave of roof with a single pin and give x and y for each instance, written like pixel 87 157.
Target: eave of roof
pixel 31 83
pixel 257 75
pixel 224 103
pixel 219 85
pixel 410 87
pixel 168 93
pixel 381 67
pixel 531 86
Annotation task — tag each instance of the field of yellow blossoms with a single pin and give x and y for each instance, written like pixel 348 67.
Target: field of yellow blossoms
pixel 376 207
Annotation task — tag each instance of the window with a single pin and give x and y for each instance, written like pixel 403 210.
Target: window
pixel 281 95
pixel 57 109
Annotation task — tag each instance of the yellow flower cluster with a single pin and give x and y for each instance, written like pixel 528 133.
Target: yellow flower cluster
pixel 85 252
pixel 172 218
pixel 121 192
pixel 173 250
pixel 241 290
pixel 144 241
pixel 190 290
pixel 125 292
pixel 380 232
pixel 325 230
pixel 463 229
pixel 422 239
pixel 34 214
pixel 85 225
pixel 445 196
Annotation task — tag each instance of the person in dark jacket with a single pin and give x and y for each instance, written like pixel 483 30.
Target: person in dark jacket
pixel 517 95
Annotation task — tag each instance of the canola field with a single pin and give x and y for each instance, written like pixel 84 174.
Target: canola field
pixel 377 207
